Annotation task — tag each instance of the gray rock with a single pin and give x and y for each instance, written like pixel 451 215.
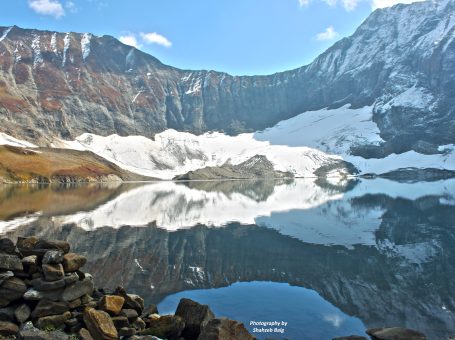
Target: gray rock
pixel 4 275
pixel 22 313
pixel 52 321
pixel 47 307
pixel 12 289
pixel 7 246
pixel 78 289
pixel 40 284
pixel 71 278
pixel 30 264
pixel 53 272
pixel 10 262
pixel 195 316
pixel 7 314
pixel 53 257
pixel 35 295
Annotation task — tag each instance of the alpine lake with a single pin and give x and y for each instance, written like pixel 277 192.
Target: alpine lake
pixel 291 259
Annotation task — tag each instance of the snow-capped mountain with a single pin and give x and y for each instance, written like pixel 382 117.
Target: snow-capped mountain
pixel 400 62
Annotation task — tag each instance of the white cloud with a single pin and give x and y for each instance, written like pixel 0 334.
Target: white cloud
pixel 304 3
pixel 129 39
pixel 328 34
pixel 387 3
pixel 47 7
pixel 349 5
pixel 155 38
pixel 71 6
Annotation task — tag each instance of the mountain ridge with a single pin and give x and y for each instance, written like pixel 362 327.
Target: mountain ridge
pixel 116 89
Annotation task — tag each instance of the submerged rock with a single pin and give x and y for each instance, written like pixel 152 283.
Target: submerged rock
pixel 395 333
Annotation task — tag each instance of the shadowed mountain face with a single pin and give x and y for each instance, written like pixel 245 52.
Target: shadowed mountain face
pixel 403 277
pixel 401 61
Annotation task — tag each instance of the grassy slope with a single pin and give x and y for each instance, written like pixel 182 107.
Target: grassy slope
pixel 56 165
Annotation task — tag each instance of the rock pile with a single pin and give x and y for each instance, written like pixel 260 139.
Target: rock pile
pixel 45 295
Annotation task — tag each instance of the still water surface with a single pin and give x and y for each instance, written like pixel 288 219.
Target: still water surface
pixel 329 259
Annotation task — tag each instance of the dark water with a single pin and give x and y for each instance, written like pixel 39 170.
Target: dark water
pixel 327 259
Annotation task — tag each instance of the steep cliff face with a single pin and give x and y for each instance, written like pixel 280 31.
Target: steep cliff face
pixel 401 60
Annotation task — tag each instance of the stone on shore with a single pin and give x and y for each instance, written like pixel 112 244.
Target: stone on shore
pixel 195 316
pixel 52 321
pixel 53 272
pixel 78 289
pixel 395 333
pixel 47 307
pixel 166 327
pixel 10 262
pixel 100 324
pixel 8 328
pixel 22 313
pixel 224 329
pixel 73 262
pixel 112 304
pixel 7 246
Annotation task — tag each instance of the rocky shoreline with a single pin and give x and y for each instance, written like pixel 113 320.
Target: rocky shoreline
pixel 44 295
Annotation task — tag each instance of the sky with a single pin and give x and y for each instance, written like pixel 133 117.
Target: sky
pixel 235 36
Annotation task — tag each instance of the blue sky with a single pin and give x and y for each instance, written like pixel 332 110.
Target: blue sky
pixel 235 36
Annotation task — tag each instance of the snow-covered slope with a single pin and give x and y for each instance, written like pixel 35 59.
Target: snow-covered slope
pixel 300 145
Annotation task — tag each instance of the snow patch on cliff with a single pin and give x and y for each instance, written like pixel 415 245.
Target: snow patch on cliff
pixel 8 140
pixel 85 45
pixel 5 33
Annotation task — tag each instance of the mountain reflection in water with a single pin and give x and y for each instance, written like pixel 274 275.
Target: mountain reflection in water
pixel 378 250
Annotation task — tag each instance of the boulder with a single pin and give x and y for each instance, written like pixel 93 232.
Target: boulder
pixel 166 327
pixel 30 332
pixel 131 314
pixel 125 331
pixel 36 295
pixel 5 275
pixel 10 262
pixel 43 285
pixel 47 307
pixel 27 242
pixel 72 262
pixel 132 301
pixel 84 334
pixel 53 257
pixel 53 245
pixel 8 328
pixel 30 264
pixel 78 289
pixel 22 313
pixel 120 322
pixel 138 324
pixel 71 278
pixel 395 333
pixel 7 314
pixel 112 304
pixel 7 246
pixel 75 303
pixel 224 329
pixel 151 309
pixel 53 272
pixel 195 316
pixel 52 321
pixel 100 325
pixel 12 289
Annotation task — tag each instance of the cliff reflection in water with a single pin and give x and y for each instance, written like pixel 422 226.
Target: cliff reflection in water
pixel 382 251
